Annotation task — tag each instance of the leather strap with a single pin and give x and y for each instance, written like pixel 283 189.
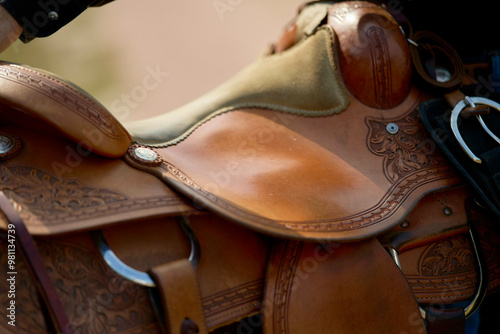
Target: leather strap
pixel 180 297
pixel 57 320
pixel 451 321
pixel 430 54
pixel 353 287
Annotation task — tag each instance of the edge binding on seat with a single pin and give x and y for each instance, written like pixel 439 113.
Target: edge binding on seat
pixel 63 106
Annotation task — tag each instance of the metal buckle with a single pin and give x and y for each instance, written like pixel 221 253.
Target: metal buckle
pixel 482 278
pixel 459 107
pixel 136 276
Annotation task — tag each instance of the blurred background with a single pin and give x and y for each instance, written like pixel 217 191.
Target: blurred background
pixel 182 48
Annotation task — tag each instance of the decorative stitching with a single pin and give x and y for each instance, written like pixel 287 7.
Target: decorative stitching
pixel 243 293
pixel 93 112
pixel 290 254
pixel 50 200
pixel 381 211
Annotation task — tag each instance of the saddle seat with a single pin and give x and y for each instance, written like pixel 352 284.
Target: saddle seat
pixel 288 148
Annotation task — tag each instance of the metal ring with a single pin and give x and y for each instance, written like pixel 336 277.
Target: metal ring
pixel 471 101
pixel 136 276
pixel 482 285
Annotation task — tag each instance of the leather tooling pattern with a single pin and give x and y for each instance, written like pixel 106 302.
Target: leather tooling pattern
pixel 66 95
pixel 408 152
pixel 289 257
pixel 221 304
pixel 99 301
pixel 448 257
pixel 381 66
pixel 96 299
pixel 378 213
pixel 56 200
pixel 447 268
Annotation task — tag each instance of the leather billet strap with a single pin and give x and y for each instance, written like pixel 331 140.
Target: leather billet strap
pixel 436 116
pixel 56 319
pixel 445 321
pixel 435 61
pixel 177 285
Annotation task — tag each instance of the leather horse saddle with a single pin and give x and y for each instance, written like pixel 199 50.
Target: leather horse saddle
pixel 304 195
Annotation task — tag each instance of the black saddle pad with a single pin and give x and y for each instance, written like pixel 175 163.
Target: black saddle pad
pixel 485 176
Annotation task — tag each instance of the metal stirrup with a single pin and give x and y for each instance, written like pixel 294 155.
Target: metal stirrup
pixel 481 287
pixel 459 107
pixel 136 276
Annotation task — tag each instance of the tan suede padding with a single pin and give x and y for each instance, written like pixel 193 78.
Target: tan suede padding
pixel 302 80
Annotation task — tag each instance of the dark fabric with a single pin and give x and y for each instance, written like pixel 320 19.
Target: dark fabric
pixel 490 323
pixel 462 26
pixel 34 17
pixel 484 177
pixel 446 321
pixel 250 325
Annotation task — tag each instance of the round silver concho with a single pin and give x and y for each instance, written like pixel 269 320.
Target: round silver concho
pixel 145 155
pixel 6 144
pixel 9 146
pixel 392 128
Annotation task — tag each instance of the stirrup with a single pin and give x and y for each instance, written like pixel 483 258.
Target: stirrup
pixel 140 277
pixel 482 278
pixel 457 110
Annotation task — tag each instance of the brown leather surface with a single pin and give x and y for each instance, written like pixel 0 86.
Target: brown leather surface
pixel 437 216
pixel 286 40
pixel 55 315
pixel 337 288
pixel 231 269
pixel 374 54
pixel 309 178
pixel 342 178
pixel 436 51
pixel 66 107
pixel 451 321
pixel 61 188
pixel 97 300
pixel 443 270
pixel 177 285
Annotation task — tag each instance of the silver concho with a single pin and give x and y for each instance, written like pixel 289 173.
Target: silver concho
pixel 9 146
pixel 6 144
pixel 392 128
pixel 146 154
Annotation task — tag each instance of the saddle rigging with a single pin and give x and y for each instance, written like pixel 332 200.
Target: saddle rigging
pixel 323 183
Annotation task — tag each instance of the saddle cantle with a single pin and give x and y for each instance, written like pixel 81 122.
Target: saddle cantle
pixel 295 176
pixel 66 108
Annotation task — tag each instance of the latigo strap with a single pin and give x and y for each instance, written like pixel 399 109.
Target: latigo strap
pixel 55 317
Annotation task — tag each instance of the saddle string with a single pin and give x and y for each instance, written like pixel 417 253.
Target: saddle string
pixel 55 317
pixel 444 202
